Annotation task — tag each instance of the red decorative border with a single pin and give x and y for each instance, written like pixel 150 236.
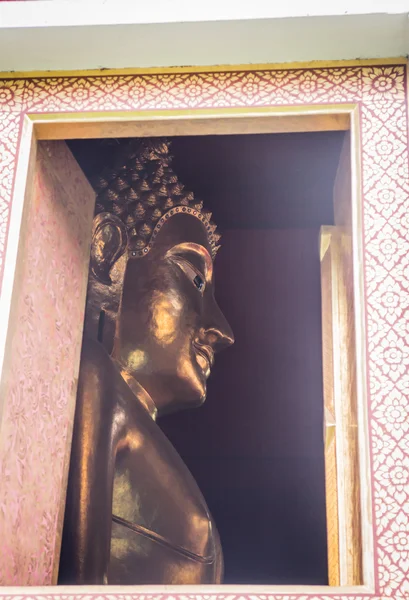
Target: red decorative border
pixel 380 92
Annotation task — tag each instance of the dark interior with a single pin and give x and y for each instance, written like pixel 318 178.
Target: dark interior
pixel 256 446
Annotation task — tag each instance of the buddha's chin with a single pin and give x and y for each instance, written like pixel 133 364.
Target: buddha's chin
pixel 198 392
pixel 195 381
pixel 198 395
pixel 190 390
pixel 184 403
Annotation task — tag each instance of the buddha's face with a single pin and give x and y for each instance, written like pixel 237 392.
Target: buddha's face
pixel 170 326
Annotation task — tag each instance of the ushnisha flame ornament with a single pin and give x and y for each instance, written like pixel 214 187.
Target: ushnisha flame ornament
pixel 141 188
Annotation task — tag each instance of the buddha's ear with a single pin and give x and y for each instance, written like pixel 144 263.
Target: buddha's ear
pixel 109 241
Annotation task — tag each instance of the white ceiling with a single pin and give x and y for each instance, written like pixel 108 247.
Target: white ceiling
pixel 69 35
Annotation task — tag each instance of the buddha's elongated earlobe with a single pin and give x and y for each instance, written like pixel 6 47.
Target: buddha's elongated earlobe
pixel 107 269
pixel 109 241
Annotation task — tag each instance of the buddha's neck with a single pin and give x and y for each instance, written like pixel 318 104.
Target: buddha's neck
pixel 140 392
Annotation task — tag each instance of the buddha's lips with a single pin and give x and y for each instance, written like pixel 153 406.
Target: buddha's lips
pixel 206 352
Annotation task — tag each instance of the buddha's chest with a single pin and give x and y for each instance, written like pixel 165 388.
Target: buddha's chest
pixel 158 509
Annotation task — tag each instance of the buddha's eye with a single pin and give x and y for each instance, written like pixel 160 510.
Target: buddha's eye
pixel 191 272
pixel 199 283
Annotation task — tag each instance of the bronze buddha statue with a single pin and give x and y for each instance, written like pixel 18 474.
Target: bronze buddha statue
pixel 134 513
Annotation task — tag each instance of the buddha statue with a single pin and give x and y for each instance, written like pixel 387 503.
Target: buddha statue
pixel 134 514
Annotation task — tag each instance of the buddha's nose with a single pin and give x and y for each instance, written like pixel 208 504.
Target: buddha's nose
pixel 218 333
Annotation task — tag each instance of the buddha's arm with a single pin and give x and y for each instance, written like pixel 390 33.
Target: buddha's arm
pixel 88 519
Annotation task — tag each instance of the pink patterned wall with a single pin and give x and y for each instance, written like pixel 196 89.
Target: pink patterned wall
pixel 380 93
pixel 39 395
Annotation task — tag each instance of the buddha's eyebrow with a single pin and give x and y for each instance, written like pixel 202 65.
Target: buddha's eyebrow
pixel 192 252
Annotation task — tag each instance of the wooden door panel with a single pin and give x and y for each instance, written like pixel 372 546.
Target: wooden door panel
pixel 39 379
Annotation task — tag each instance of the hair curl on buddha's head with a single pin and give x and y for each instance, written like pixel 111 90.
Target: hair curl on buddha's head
pixel 142 190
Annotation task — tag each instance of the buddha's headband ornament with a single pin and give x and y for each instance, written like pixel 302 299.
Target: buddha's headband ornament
pixel 142 190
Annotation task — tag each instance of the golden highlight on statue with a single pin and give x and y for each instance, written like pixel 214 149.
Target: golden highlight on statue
pixel 134 513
